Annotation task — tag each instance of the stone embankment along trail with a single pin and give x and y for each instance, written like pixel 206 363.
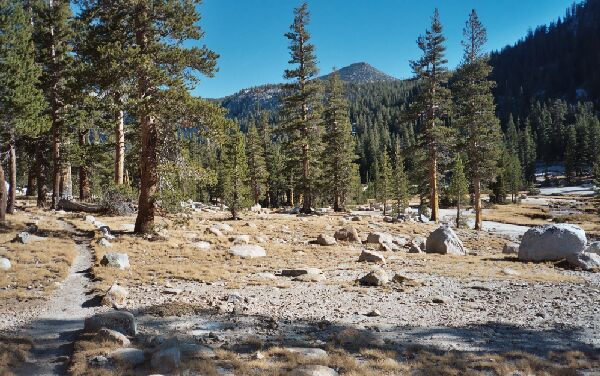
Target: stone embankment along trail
pixel 59 322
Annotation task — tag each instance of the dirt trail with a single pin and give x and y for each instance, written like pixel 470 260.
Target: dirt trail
pixel 54 331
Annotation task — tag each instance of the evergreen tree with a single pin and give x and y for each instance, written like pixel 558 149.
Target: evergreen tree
pixel 257 168
pixel 479 129
pixel 53 36
pixel 459 187
pixel 400 180
pixel 527 153
pixel 236 193
pixel 21 101
pixel 432 102
pixel 302 119
pixel 571 152
pixel 338 156
pixel 513 175
pixel 159 67
pixel 385 180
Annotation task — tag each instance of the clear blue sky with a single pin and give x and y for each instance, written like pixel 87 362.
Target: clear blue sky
pixel 248 34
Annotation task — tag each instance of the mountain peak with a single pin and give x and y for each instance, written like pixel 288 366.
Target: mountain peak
pixel 361 72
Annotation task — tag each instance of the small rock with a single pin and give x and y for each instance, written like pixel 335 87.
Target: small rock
pixel 309 278
pixel 115 260
pixel 377 277
pixel 128 357
pixel 107 335
pixel 509 271
pixel 308 352
pixel 593 247
pixel 214 231
pixel 299 272
pixel 201 245
pixel 379 238
pixel 4 263
pixel 388 247
pixel 120 321
pixel 373 313
pixel 224 227
pixel 439 300
pixel 371 256
pixel 511 248
pixel 325 240
pixel 443 240
pixel 240 239
pixel 196 351
pixel 89 218
pixel 585 261
pixel 116 296
pixel 166 360
pixel 348 233
pixel 172 291
pixel 103 242
pixel 417 245
pixel 313 370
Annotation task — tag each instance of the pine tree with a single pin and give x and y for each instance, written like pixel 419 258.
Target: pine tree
pixel 479 129
pixel 527 153
pixel 432 102
pixel 301 109
pixel 53 36
pixel 400 180
pixel 257 168
pixel 571 154
pixel 513 175
pixel 596 177
pixel 385 180
pixel 459 187
pixel 21 101
pixel 338 156
pixel 268 155
pixel 236 193
pixel 155 59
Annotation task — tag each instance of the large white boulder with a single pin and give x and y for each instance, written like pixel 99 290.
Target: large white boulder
pixel 444 240
pixel 120 321
pixel 4 263
pixel 552 243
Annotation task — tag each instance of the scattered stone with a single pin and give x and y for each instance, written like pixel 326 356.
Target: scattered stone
pixel 201 245
pixel 325 240
pixel 379 238
pixel 299 272
pixel 103 242
pixel 128 357
pixel 313 370
pixel 406 281
pixel 116 297
pixel 214 231
pixel 355 218
pixel 247 251
pixel 4 263
pixel 388 247
pixel 115 260
pixel 266 275
pixel 224 227
pixel 31 228
pixel 439 300
pixel 105 230
pixel 172 291
pixel 25 238
pixel 593 247
pixel 107 335
pixel 511 248
pixel 309 278
pixel 417 245
pixel 308 352
pixel 89 218
pixel 552 243
pixel 371 256
pixel 166 360
pixel 255 208
pixel 373 313
pixel 348 233
pixel 240 239
pixel 443 240
pixel 377 277
pixel 423 218
pixel 585 261
pixel 509 271
pixel 120 321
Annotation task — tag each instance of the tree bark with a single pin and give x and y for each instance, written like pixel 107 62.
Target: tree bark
pixel 3 198
pixel 31 180
pixel 40 167
pixel 66 180
pixel 478 218
pixel 119 148
pixel 12 178
pixel 56 165
pixel 433 189
pixel 144 222
pixel 458 213
pixel 84 180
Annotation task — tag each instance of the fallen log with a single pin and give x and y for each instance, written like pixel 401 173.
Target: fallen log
pixel 68 205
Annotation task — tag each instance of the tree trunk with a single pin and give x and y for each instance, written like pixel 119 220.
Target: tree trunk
pixel 433 189
pixel 458 213
pixel 66 179
pixel 144 222
pixel 54 102
pixel 119 148
pixel 336 203
pixel 478 218
pixel 84 180
pixel 40 167
pixel 31 181
pixel 12 179
pixel 3 198
pixel 306 202
pixel 384 206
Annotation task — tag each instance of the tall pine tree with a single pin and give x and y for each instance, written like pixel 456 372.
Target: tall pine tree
pixel 459 188
pixel 479 129
pixel 338 156
pixel 433 101
pixel 236 193
pixel 257 168
pixel 301 109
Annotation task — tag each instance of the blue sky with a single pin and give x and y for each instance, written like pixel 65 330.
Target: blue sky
pixel 248 34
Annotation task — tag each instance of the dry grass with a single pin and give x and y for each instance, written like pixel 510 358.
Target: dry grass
pixel 38 265
pixel 85 348
pixel 13 353
pixel 522 215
